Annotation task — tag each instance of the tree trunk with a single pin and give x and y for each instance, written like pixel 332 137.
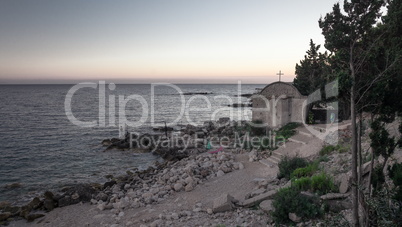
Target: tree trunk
pixel 355 198
pixel 359 150
pixel 371 173
pixel 371 166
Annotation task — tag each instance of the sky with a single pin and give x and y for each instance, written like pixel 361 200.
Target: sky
pixel 144 41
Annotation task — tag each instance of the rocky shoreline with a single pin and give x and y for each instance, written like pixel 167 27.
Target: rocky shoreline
pixel 182 170
pixel 133 190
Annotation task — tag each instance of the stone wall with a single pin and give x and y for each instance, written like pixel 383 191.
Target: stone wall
pixel 278 104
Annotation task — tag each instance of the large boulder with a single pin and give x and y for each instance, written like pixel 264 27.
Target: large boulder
pixel 4 216
pixel 223 203
pixel 252 156
pixel 77 193
pixel 337 206
pixel 266 206
pixel 293 217
pixel 344 180
pixel 32 217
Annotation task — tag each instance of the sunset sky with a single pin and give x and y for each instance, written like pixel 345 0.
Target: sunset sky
pixel 182 41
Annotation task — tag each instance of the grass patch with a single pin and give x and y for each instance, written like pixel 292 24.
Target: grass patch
pixel 326 150
pixel 320 184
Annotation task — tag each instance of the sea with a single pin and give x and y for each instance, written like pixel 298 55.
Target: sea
pixel 50 135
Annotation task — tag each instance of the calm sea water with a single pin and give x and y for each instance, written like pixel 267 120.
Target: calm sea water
pixel 42 150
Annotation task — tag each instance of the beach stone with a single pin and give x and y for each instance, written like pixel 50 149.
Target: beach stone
pixel 293 217
pixel 189 180
pixel 178 186
pixel 196 210
pixel 252 156
pixel 175 216
pixel 263 183
pixel 14 210
pixel 220 173
pixel 4 204
pixel 226 169
pixel 102 196
pixel 48 204
pixel 80 192
pixel 344 185
pixel 48 195
pixel 209 211
pixel 64 201
pixel 266 206
pixel 101 206
pixel 147 195
pixel 109 184
pixel 241 166
pixel 5 216
pixel 189 187
pixel 154 191
pixel 109 206
pixel 35 203
pixel 156 223
pixel 32 217
pixel 223 203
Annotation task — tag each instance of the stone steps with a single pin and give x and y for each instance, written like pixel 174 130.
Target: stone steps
pixel 308 134
pixel 292 146
pixel 297 141
pixel 268 163
pixel 272 160
pixel 300 138
pixel 289 148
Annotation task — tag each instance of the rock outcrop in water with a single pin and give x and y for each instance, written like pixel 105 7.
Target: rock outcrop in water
pixel 38 206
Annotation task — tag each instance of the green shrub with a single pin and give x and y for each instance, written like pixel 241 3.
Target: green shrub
pixel 306 171
pixel 377 178
pixel 323 158
pixel 303 183
pixel 322 183
pixel 342 149
pixel 288 130
pixel 290 200
pixel 327 150
pixel 384 210
pixel 337 220
pixel 395 173
pixel 288 165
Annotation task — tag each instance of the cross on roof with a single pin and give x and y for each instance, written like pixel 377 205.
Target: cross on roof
pixel 280 74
